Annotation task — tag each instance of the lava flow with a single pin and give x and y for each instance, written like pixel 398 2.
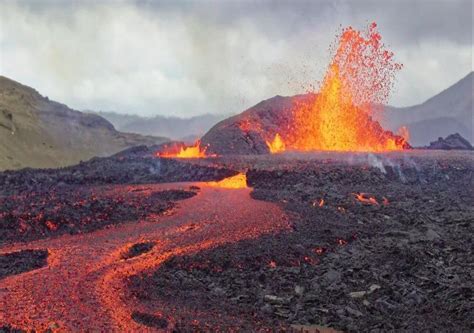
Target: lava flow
pixel 84 287
pixel 338 118
pixel 234 182
pixel 194 151
pixel 365 198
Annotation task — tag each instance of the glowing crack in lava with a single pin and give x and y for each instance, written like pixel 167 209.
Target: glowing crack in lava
pixel 234 182
pixel 194 151
pixel 365 198
pixel 338 118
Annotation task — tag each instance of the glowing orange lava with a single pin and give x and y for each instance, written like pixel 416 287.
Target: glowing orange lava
pixel 338 118
pixel 277 145
pixel 234 182
pixel 194 151
pixel 66 297
pixel 319 203
pixel 319 250
pixel 365 198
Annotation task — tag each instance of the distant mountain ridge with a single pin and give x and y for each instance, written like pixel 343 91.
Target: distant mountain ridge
pixel 185 129
pixel 37 132
pixel 448 112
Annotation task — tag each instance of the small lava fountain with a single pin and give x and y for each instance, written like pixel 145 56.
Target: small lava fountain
pixel 194 151
pixel 277 145
pixel 338 118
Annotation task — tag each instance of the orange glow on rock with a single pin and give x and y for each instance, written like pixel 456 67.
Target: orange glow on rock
pixel 234 182
pixel 365 198
pixel 319 203
pixel 341 241
pixel 338 118
pixel 319 250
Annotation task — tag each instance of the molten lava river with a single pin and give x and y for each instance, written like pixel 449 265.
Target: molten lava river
pixel 83 287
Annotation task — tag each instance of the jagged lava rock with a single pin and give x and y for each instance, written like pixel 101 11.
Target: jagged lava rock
pixel 453 141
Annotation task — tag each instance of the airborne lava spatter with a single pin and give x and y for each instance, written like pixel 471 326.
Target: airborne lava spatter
pixel 338 118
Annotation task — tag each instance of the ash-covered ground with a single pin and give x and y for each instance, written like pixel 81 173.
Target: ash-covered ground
pixel 401 259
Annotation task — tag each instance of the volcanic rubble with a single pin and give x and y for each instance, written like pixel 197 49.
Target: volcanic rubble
pixel 22 261
pixel 369 250
pixel 453 141
pixel 136 165
pixel 41 203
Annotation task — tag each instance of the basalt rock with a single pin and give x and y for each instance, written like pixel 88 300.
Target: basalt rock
pixel 453 141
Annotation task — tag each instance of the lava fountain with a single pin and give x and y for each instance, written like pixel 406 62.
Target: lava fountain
pixel 194 151
pixel 277 145
pixel 339 117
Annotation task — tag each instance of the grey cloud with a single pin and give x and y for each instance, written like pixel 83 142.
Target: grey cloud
pixel 186 58
pixel 407 20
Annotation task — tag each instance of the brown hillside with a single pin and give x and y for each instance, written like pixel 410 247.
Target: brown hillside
pixel 40 133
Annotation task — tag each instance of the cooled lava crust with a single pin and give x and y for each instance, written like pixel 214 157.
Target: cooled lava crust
pixel 397 262
pixel 353 242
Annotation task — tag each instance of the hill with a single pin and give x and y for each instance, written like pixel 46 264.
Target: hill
pixel 450 111
pixel 247 132
pixel 40 133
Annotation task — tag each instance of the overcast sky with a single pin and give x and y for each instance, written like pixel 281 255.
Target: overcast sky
pixel 188 58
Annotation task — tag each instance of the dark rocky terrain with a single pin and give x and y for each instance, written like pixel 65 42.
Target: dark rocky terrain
pixel 39 203
pixel 136 165
pixel 400 261
pixel 78 209
pixel 453 141
pixel 376 242
pixel 22 261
